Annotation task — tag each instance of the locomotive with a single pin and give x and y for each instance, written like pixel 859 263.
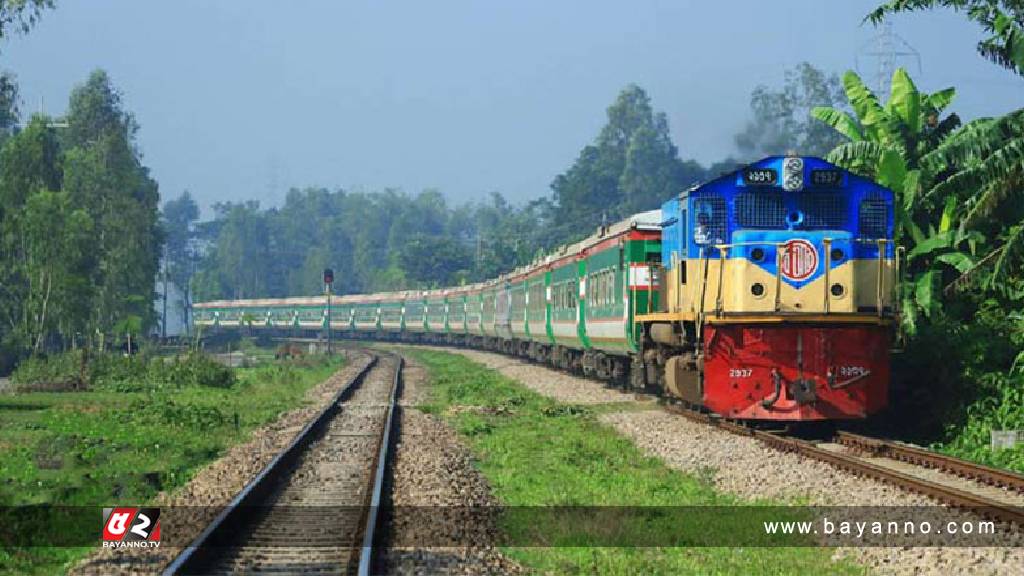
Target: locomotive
pixel 767 294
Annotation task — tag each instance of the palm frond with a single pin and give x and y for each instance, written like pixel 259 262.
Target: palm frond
pixel 924 291
pixel 961 261
pixel 911 188
pixel 968 276
pixel 936 102
pixel 865 104
pixel 987 201
pixel 877 15
pixel 976 139
pixel 934 242
pixel 840 121
pixel 1011 253
pixel 905 101
pixel 859 157
pixel 1001 164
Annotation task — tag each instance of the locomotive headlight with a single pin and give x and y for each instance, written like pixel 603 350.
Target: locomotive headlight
pixel 793 174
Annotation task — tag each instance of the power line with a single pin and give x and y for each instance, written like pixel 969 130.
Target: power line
pixel 887 47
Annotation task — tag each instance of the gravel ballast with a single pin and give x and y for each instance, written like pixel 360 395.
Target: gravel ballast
pixel 432 474
pixel 748 469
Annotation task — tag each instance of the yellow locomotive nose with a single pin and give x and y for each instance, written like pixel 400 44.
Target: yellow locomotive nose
pixel 785 271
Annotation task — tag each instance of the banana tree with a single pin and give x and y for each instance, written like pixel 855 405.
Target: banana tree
pixel 981 166
pixel 943 248
pixel 887 143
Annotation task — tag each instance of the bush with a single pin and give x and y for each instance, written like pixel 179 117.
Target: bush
pixel 56 372
pixel 193 369
pixel 114 372
pixel 963 376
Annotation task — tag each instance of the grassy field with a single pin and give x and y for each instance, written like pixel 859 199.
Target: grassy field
pixel 115 447
pixel 539 453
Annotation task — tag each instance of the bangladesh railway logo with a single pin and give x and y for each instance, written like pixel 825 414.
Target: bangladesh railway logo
pixel 799 259
pixel 131 527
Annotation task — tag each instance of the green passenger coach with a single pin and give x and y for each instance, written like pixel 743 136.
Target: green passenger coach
pixel 574 307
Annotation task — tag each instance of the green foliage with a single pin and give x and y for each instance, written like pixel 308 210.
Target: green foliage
pixel 181 255
pixel 959 215
pixel 116 372
pixel 21 15
pixel 632 166
pixel 1002 20
pixel 890 143
pixel 974 380
pixel 79 239
pixel 60 371
pixel 121 441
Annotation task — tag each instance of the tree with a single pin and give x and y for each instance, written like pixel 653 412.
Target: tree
pixel 21 15
pixel 104 175
pixel 9 113
pixel 981 167
pixel 29 162
pixel 56 237
pixel 1002 20
pixel 886 143
pixel 240 253
pixel 781 117
pixel 632 166
pixel 178 221
pixel 433 261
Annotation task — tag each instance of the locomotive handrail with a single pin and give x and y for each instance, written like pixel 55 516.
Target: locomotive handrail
pixel 703 294
pixel 859 239
pixel 721 272
pixel 827 243
pixel 778 276
pixel 881 278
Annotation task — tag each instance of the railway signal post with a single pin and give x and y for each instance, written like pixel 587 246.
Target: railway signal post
pixel 328 280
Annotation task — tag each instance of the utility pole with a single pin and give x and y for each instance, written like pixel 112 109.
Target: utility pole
pixel 328 280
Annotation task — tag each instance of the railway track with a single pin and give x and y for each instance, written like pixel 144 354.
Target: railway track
pixel 314 508
pixel 988 492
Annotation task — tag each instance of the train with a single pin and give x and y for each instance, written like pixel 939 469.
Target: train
pixel 768 294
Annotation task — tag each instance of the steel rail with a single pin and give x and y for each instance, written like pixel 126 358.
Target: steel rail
pixel 981 505
pixel 930 459
pixel 197 554
pixel 373 508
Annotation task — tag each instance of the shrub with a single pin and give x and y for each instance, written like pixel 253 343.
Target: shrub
pixel 56 372
pixel 115 372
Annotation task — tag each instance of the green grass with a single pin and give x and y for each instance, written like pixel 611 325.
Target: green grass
pixel 103 448
pixel 536 452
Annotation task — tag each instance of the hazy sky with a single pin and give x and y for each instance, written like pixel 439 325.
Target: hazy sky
pixel 244 99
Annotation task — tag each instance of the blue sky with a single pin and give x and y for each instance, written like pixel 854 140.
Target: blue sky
pixel 244 99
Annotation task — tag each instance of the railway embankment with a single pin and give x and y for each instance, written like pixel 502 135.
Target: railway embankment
pixel 741 468
pixel 575 495
pixel 444 517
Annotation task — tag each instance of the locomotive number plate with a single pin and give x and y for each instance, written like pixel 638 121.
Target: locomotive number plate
pixel 852 370
pixel 826 178
pixel 740 372
pixel 760 176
